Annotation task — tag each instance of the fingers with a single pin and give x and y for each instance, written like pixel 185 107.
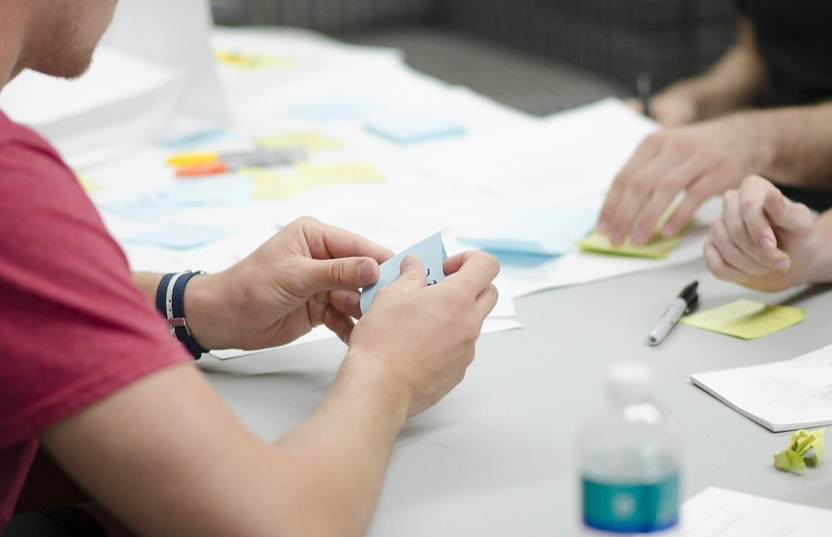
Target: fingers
pixel 785 215
pixel 730 239
pixel 349 273
pixel 327 242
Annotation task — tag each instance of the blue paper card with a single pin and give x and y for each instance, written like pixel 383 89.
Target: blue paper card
pixel 548 231
pixel 430 251
pixel 179 236
pixel 414 128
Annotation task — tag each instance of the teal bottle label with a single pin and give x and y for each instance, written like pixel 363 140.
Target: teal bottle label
pixel 628 508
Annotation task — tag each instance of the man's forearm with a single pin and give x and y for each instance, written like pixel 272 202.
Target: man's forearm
pixel 148 282
pixel 793 146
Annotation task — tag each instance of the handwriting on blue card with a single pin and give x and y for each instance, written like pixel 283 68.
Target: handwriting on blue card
pixel 414 128
pixel 430 251
pixel 548 231
pixel 179 236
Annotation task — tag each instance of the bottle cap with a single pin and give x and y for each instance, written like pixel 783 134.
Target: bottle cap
pixel 629 380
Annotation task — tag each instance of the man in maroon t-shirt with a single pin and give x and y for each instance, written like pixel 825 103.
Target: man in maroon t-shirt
pixel 96 396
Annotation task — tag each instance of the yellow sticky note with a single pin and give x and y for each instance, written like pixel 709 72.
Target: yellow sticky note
pixel 249 60
pixel 339 173
pixel 267 184
pixel 88 184
pixel 311 141
pixel 746 319
pixel 657 247
pixel 805 449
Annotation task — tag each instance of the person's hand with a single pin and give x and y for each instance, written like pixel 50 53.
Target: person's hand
pixel 762 240
pixel 307 274
pixel 418 340
pixel 701 160
pixel 668 109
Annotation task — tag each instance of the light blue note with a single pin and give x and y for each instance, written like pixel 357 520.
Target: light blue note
pixel 150 206
pixel 179 236
pixel 546 231
pixel 432 253
pixel 227 189
pixel 414 128
pixel 338 109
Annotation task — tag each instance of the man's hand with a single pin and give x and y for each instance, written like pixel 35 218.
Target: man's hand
pixel 700 160
pixel 418 339
pixel 762 240
pixel 307 274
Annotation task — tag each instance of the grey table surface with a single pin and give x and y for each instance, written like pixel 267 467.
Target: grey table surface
pixel 497 456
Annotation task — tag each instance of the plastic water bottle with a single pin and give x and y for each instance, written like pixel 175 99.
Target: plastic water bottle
pixel 630 458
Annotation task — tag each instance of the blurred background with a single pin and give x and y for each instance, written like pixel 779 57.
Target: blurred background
pixel 539 56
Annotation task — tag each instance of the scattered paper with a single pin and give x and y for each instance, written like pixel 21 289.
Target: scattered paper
pixel 727 513
pixel 746 319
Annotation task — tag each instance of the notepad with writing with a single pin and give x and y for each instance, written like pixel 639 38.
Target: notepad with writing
pixel 780 396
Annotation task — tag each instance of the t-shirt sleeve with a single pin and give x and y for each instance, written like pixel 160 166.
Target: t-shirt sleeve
pixel 73 325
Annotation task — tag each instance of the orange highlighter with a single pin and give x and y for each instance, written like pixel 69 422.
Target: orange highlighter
pixel 211 163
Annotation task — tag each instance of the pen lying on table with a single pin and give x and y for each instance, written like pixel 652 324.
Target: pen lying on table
pixel 686 302
pixel 208 163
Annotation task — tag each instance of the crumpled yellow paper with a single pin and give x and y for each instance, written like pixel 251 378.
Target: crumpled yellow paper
pixel 805 449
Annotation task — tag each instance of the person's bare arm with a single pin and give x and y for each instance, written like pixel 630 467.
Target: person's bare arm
pixel 736 81
pixel 168 458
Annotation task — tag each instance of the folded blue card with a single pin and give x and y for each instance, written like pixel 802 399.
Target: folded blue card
pixel 548 231
pixel 430 251
pixel 414 128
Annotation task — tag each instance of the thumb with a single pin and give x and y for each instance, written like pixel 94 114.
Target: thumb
pixel 786 215
pixel 346 273
pixel 412 272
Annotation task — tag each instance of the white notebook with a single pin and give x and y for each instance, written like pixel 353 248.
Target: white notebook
pixel 781 396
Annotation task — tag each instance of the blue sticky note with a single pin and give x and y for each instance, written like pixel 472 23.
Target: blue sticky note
pixel 414 128
pixel 338 109
pixel 545 231
pixel 430 251
pixel 150 206
pixel 227 189
pixel 178 236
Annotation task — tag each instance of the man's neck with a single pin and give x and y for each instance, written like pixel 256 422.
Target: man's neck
pixel 12 33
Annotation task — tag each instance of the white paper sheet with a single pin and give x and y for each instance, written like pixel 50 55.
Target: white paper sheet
pixel 781 396
pixel 726 513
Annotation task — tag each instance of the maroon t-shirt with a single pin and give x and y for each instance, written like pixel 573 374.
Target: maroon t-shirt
pixel 74 328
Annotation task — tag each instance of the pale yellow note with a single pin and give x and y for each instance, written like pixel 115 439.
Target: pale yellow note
pixel 657 247
pixel 311 141
pixel 248 60
pixel 746 319
pixel 364 172
pixel 88 184
pixel 268 184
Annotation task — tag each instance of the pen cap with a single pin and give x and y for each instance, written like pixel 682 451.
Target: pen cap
pixel 629 381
